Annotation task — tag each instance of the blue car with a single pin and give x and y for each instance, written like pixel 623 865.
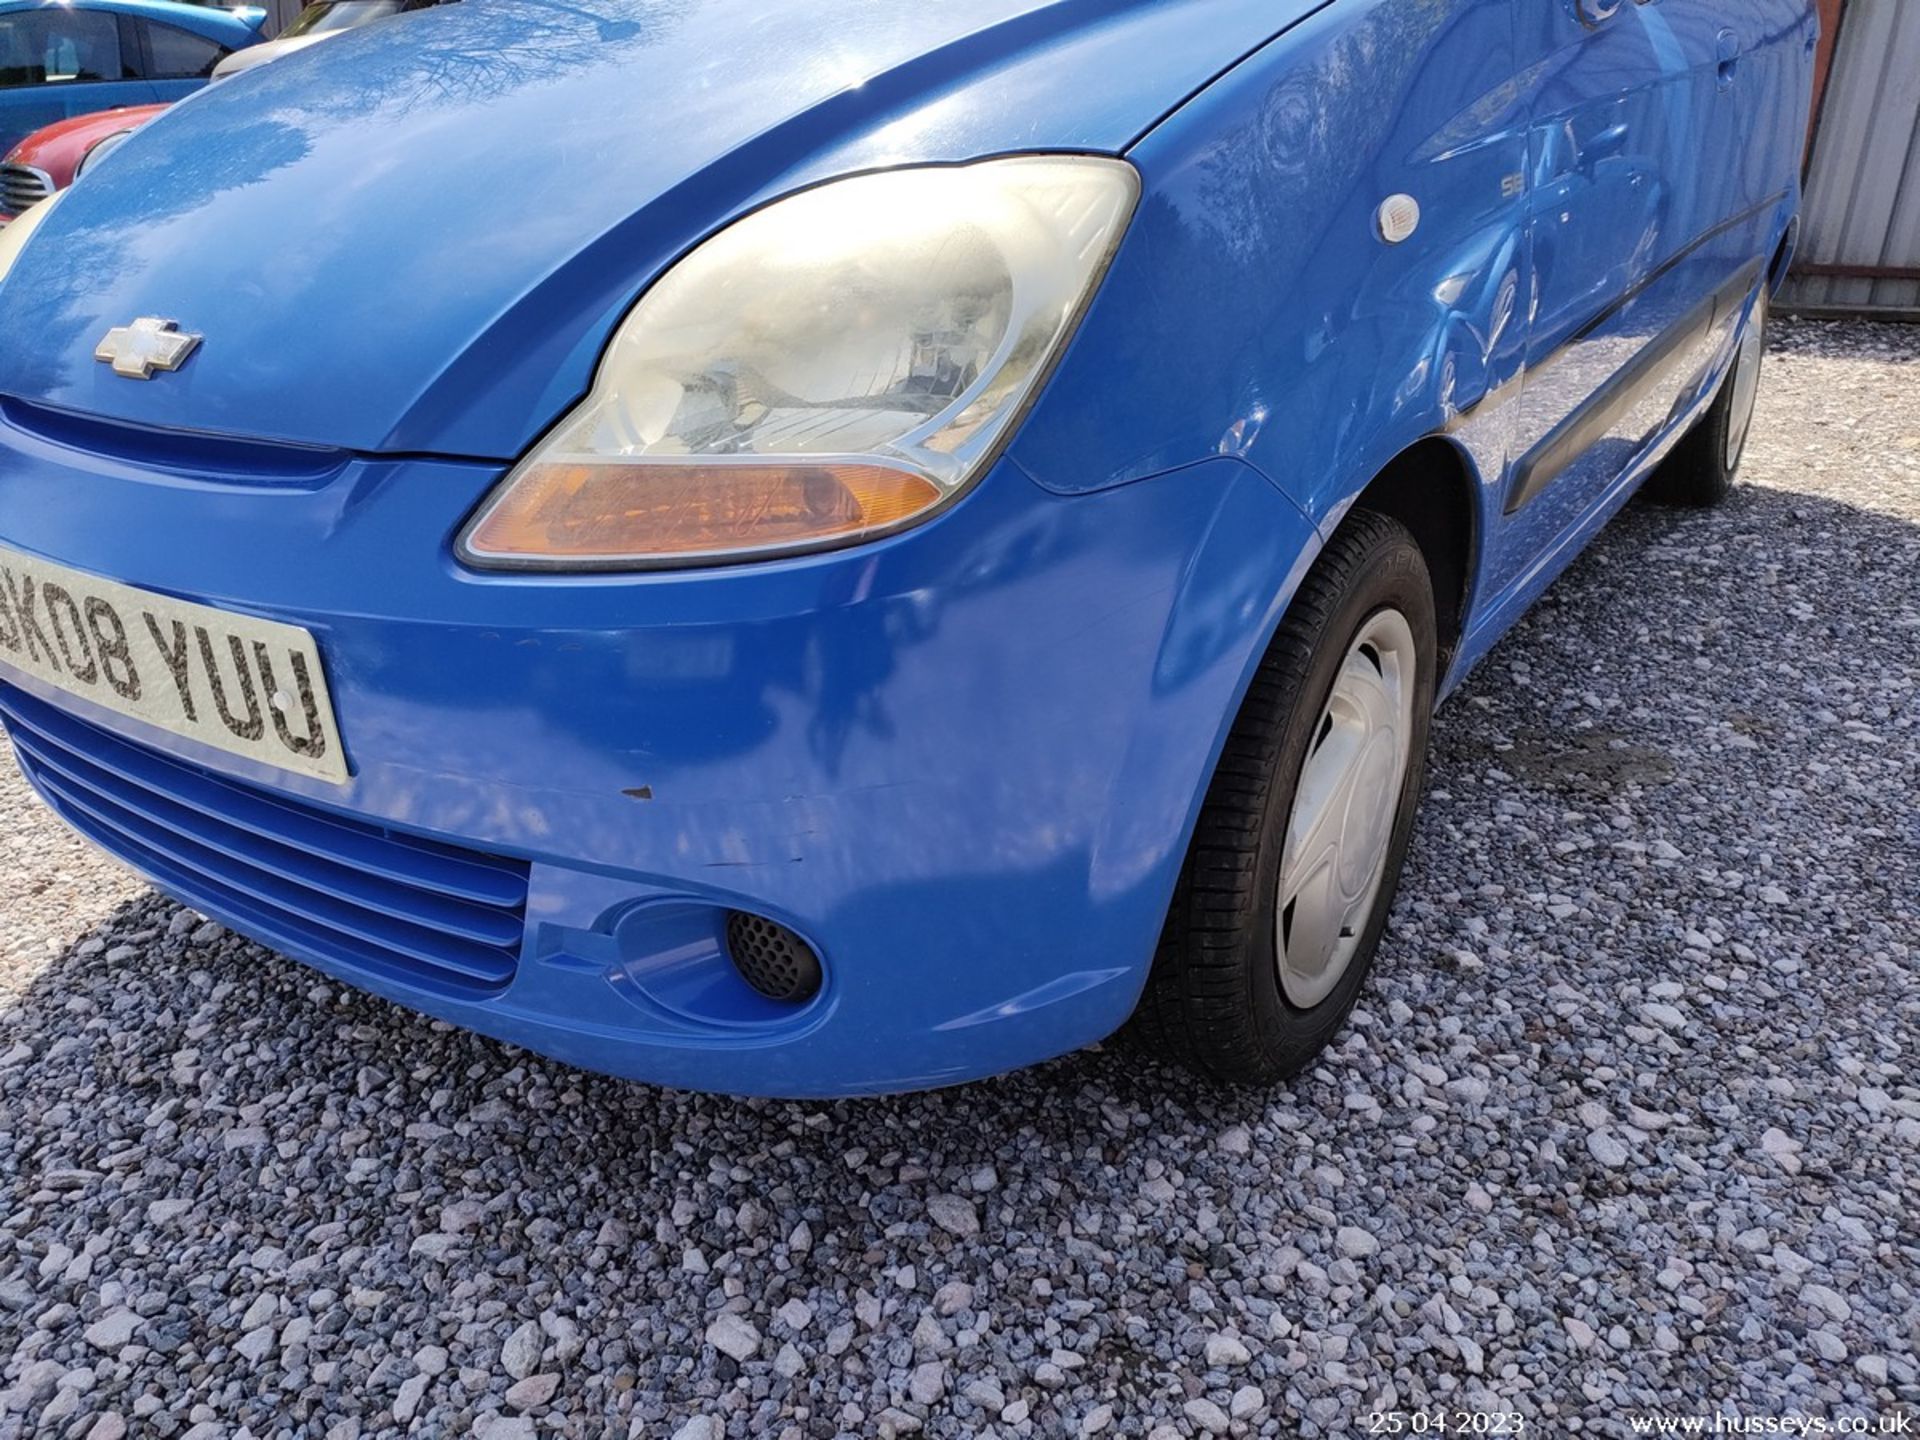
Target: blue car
pixel 810 549
pixel 62 58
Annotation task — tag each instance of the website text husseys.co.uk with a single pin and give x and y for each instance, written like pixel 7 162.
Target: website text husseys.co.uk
pixel 1719 1423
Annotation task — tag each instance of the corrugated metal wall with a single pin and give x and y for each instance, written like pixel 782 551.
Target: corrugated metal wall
pixel 1860 240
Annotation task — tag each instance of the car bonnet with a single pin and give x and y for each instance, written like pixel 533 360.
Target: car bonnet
pixel 418 236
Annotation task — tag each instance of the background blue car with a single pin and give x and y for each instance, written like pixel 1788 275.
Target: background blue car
pixel 61 58
pixel 839 546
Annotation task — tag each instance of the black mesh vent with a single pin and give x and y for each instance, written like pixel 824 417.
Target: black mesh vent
pixel 772 959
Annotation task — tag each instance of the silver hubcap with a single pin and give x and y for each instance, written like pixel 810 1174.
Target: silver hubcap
pixel 1344 809
pixel 1746 381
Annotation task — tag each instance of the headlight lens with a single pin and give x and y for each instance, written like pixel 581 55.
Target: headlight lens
pixel 14 238
pixel 828 369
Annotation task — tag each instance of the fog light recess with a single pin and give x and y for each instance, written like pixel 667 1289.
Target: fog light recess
pixel 772 959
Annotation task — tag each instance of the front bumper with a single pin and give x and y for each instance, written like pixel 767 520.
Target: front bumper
pixel 962 763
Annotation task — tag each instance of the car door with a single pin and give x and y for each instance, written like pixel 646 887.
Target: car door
pixel 177 62
pixel 57 62
pixel 1627 135
pixel 1750 68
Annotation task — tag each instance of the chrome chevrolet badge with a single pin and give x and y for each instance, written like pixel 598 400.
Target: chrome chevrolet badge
pixel 147 345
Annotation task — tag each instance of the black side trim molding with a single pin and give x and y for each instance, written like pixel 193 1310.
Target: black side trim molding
pixel 1648 371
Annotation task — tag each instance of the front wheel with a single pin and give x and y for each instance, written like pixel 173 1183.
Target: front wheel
pixel 1700 471
pixel 1300 842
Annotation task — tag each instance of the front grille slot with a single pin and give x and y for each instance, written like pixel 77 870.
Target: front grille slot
pixel 22 187
pixel 428 914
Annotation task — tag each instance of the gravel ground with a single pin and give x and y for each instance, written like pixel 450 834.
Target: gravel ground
pixel 1629 1122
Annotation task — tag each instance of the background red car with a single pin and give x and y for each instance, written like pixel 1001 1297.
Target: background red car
pixel 51 159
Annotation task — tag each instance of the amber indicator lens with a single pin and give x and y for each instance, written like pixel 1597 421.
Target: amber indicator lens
pixel 603 512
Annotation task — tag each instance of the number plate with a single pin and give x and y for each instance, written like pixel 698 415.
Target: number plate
pixel 252 687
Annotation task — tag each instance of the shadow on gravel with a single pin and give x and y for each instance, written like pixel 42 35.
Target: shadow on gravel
pixel 1667 870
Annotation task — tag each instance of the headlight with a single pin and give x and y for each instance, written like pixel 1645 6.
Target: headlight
pixel 14 238
pixel 828 369
pixel 101 150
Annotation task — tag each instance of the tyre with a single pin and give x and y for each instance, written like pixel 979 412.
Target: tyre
pixel 1297 853
pixel 1700 471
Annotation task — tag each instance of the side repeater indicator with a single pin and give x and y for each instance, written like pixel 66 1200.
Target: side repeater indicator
pixel 1399 217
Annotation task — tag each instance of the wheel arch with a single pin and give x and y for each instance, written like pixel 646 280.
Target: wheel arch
pixel 1783 255
pixel 1432 488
